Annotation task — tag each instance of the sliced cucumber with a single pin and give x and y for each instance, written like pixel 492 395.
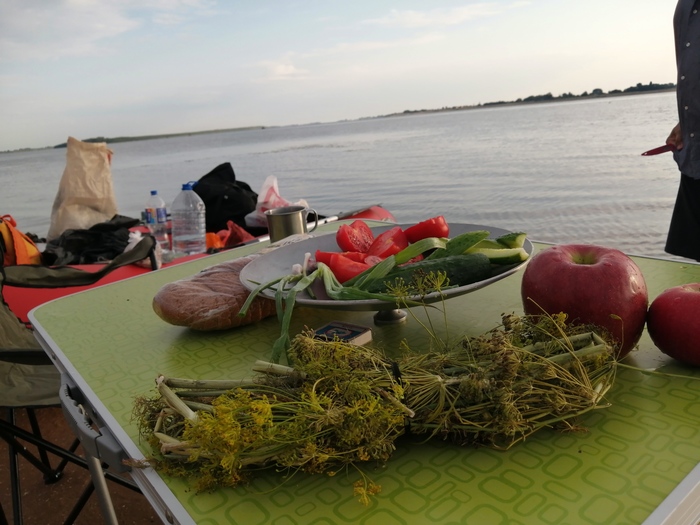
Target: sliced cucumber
pixel 503 255
pixel 459 244
pixel 513 239
pixel 485 243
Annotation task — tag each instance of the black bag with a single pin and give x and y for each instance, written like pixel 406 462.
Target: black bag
pixel 17 344
pixel 101 242
pixel 226 198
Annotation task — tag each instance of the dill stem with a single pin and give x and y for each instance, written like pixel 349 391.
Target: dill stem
pixel 386 395
pixel 274 369
pixel 175 402
pixel 205 384
pixel 560 359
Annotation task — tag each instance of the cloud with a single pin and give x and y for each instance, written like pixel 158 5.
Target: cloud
pixel 49 29
pixel 431 20
pixel 373 45
pixel 437 17
pixel 287 68
pixel 282 69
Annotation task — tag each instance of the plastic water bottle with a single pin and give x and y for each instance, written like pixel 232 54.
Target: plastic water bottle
pixel 157 220
pixel 188 215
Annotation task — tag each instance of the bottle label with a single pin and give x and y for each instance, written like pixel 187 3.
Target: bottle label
pixel 161 215
pixel 151 216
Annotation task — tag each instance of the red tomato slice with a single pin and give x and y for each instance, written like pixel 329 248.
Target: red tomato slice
pixel 435 227
pixel 354 237
pixel 345 268
pixel 371 260
pixel 355 256
pixel 388 243
pixel 325 257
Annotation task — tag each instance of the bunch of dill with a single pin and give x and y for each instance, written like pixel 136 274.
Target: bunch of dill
pixel 341 405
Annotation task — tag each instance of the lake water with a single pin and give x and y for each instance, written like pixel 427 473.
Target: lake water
pixel 562 172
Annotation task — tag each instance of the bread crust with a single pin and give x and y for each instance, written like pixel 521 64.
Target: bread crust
pixel 211 299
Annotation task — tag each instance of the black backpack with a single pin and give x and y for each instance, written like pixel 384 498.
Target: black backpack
pixel 225 198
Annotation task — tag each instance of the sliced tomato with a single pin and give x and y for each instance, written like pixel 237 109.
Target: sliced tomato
pixel 325 257
pixel 371 260
pixel 354 237
pixel 345 268
pixel 355 256
pixel 388 243
pixel 435 227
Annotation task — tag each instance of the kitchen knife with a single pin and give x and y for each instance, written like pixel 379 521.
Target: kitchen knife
pixel 345 214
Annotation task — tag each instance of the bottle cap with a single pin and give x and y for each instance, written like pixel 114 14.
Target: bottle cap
pixel 154 192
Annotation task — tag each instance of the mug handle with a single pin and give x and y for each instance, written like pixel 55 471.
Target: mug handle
pixel 315 215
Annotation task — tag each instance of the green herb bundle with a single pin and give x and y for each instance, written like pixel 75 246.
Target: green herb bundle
pixel 341 405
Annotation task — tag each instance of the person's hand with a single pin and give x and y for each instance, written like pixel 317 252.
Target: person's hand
pixel 675 139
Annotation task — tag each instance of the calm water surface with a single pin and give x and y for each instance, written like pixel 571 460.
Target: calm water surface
pixel 563 172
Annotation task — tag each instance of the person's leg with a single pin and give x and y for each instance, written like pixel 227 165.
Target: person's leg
pixel 684 231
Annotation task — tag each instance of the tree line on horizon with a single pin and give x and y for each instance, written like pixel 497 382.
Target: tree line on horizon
pixel 548 97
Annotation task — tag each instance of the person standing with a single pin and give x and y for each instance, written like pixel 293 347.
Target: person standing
pixel 684 231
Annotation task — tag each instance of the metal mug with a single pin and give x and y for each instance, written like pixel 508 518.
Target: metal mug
pixel 288 220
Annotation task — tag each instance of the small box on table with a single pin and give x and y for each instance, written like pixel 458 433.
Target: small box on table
pixel 347 332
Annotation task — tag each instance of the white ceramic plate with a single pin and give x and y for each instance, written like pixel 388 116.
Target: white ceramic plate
pixel 279 262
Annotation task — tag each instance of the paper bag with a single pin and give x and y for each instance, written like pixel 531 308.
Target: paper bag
pixel 85 194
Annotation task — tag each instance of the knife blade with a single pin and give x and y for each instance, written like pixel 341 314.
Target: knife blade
pixel 345 214
pixel 660 149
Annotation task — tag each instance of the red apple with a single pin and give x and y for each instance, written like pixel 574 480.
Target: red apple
pixel 673 323
pixel 592 285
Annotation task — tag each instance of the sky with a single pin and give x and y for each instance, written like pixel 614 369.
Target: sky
pixel 90 68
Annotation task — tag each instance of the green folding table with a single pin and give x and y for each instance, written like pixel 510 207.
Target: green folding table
pixel 636 464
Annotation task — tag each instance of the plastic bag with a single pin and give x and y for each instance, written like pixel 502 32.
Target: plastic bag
pixel 85 194
pixel 268 198
pixel 135 238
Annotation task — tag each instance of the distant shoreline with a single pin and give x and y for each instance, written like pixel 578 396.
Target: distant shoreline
pixel 536 99
pixel 520 102
pixel 163 136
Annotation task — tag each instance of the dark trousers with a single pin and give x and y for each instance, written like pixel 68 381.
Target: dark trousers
pixel 684 232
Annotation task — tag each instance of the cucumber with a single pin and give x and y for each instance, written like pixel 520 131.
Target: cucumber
pixel 512 240
pixel 459 244
pixel 459 269
pixel 486 243
pixel 503 255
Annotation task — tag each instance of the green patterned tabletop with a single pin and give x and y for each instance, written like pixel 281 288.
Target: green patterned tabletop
pixel 634 454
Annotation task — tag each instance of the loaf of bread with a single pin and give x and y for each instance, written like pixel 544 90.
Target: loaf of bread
pixel 211 299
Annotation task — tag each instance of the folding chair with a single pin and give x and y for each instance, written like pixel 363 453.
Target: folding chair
pixel 30 382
